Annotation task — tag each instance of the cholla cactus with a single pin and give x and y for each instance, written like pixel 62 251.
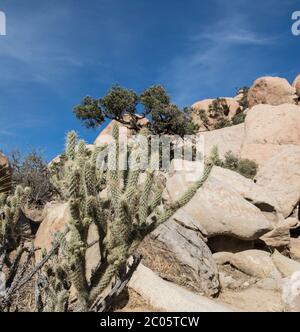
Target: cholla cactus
pixel 124 217
pixel 10 209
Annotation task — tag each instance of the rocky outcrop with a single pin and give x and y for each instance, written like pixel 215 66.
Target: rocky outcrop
pixel 269 130
pixel 168 296
pixel 105 137
pixel 230 106
pixel 296 85
pixel 226 139
pixel 248 189
pixel 271 91
pixel 295 248
pixel 280 236
pixel 222 211
pixel 281 176
pixel 220 208
pixel 3 160
pixel 56 216
pixel 181 243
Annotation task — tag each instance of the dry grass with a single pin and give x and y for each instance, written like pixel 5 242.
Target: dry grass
pixel 157 258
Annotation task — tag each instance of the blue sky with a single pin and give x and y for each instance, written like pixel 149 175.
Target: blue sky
pixel 58 51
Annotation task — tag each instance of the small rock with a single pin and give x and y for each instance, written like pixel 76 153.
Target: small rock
pixel 291 293
pixel 169 297
pixel 285 265
pixel 295 249
pixel 256 263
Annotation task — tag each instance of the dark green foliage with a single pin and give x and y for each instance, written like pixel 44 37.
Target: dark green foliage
pixel 222 122
pixel 204 118
pixel 128 108
pixel 218 108
pixel 245 167
pixel 244 100
pixel 32 171
pixel 238 118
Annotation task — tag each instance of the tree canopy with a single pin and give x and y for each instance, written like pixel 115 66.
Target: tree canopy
pixel 128 108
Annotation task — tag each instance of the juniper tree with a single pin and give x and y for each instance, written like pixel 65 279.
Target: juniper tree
pixel 129 108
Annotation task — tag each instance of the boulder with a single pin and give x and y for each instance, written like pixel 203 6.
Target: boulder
pixel 105 137
pixel 230 105
pixel 182 174
pixel 256 263
pixel 269 130
pixel 271 91
pixel 222 258
pixel 281 176
pixel 291 293
pixel 170 297
pixel 181 242
pixel 285 265
pixel 248 189
pixel 222 211
pixel 280 237
pixel 3 160
pixel 226 139
pixel 295 248
pixel 56 216
pixel 296 85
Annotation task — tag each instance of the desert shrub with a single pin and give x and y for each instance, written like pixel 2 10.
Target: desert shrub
pixel 32 171
pixel 222 122
pixel 245 167
pixel 238 118
pixel 244 100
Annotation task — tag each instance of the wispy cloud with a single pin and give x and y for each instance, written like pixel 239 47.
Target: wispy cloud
pixel 33 51
pixel 211 55
pixel 6 133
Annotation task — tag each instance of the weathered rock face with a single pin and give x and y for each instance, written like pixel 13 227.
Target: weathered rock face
pixel 180 242
pixel 285 265
pixel 231 106
pixel 3 160
pixel 168 296
pixel 222 211
pixel 271 91
pixel 105 137
pixel 281 176
pixel 56 216
pixel 182 174
pixel 220 208
pixel 226 139
pixel 256 263
pixel 257 195
pixel 296 85
pixel 269 130
pixel 291 293
pixel 295 249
